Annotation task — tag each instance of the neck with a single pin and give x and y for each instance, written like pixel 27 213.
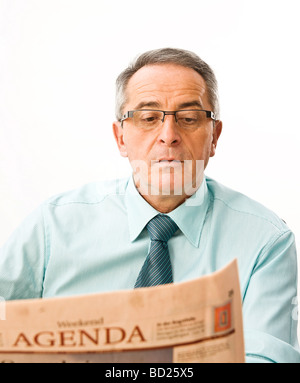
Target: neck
pixel 164 203
pixel 169 198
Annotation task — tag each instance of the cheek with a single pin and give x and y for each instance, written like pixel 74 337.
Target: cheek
pixel 200 145
pixel 130 144
pixel 137 145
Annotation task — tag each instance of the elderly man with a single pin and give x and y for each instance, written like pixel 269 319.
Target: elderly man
pixel 97 238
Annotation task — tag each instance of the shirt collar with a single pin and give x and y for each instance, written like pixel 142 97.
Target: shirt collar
pixel 189 216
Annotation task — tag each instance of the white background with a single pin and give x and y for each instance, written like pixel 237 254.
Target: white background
pixel 58 64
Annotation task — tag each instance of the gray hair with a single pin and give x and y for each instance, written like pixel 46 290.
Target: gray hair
pixel 168 55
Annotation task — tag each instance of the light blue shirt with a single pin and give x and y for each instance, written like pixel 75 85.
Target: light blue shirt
pixel 94 239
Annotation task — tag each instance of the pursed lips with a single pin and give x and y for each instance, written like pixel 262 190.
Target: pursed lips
pixel 169 162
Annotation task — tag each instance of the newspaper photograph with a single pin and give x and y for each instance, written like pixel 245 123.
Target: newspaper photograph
pixel 197 321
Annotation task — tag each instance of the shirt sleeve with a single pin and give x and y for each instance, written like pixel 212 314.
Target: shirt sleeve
pixel 22 260
pixel 270 304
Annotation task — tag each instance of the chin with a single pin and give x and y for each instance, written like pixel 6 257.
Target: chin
pixel 167 187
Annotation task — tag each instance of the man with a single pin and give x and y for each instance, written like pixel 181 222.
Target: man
pixel 97 238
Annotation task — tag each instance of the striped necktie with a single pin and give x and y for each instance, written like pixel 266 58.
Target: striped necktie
pixel 157 268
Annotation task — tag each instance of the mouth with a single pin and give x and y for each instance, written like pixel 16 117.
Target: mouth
pixel 168 160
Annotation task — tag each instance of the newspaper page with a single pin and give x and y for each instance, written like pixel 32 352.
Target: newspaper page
pixel 198 321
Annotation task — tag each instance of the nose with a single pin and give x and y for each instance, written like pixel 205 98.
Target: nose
pixel 169 134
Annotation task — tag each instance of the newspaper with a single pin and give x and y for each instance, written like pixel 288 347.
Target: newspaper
pixel 194 321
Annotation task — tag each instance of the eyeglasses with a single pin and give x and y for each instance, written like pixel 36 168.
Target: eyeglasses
pixel 151 119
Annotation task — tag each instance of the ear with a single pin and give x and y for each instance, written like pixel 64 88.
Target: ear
pixel 215 136
pixel 119 137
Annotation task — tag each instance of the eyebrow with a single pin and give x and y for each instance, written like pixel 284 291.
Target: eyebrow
pixel 190 104
pixel 149 104
pixel 155 104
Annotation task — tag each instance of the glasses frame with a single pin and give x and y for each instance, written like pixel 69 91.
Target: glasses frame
pixel 129 113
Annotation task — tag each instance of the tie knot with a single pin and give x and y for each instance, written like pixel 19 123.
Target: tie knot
pixel 161 228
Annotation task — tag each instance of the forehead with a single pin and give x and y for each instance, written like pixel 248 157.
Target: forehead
pixel 164 83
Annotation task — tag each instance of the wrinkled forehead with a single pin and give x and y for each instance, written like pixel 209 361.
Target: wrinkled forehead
pixel 164 82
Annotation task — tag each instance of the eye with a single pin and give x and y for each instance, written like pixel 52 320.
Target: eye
pixel 148 118
pixel 187 118
pixel 190 118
